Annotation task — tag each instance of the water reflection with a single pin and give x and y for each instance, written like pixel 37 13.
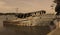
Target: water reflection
pixel 13 30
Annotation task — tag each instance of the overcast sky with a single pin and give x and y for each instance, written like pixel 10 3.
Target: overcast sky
pixel 25 5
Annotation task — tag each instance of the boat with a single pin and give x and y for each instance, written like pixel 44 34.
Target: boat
pixel 30 19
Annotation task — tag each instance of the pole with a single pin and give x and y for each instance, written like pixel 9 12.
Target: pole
pixel 17 10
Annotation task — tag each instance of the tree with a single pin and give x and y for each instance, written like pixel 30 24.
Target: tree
pixel 57 8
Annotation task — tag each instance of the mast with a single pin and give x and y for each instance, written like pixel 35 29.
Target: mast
pixel 17 10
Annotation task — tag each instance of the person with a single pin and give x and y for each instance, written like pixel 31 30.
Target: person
pixel 52 25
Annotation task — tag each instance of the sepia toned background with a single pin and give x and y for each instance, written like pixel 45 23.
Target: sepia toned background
pixel 26 5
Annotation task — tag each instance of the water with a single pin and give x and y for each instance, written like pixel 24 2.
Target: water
pixel 14 30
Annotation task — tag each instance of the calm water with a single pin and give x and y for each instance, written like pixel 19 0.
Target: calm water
pixel 14 30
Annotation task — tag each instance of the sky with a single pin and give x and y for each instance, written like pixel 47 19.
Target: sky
pixel 26 6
